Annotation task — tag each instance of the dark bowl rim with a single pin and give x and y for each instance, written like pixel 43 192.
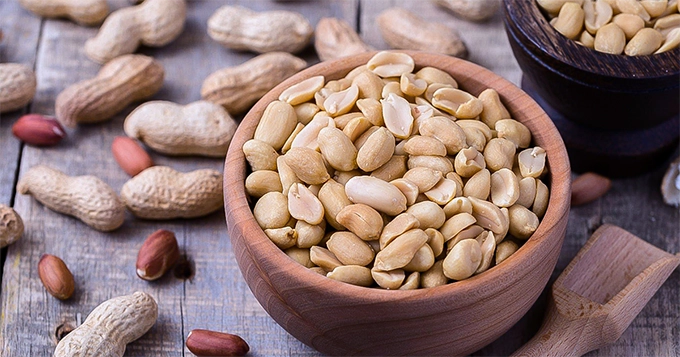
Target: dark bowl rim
pixel 238 211
pixel 548 42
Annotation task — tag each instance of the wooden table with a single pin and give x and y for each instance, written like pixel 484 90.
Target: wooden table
pixel 215 296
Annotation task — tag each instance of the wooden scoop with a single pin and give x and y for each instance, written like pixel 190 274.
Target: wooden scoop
pixel 599 293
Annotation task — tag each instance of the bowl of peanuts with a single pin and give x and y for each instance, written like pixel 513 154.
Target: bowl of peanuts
pixel 396 203
pixel 606 71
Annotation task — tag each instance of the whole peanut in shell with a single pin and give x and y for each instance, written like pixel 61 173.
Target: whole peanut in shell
pixel 11 226
pixel 160 192
pixel 403 29
pixel 198 128
pixel 17 86
pixel 124 80
pixel 154 23
pixel 334 38
pixel 237 88
pixel 85 197
pixel 239 28
pixel 110 327
pixel 473 10
pixel 84 12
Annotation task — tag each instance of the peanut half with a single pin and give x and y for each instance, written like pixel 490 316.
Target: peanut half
pixel 85 197
pixel 286 31
pixel 198 128
pixel 569 22
pixel 124 80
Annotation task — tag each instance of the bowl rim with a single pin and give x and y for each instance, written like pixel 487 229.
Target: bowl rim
pixel 240 218
pixel 535 27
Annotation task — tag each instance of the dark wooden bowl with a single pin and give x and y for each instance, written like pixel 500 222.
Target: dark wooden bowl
pixel 454 319
pixel 618 115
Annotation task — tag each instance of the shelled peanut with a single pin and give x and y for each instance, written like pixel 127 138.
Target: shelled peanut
pixel 633 27
pixel 393 176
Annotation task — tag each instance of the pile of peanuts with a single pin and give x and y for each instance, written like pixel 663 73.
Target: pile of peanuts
pixel 394 178
pixel 633 27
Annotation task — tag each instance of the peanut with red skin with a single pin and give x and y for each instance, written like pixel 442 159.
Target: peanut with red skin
pixel 157 255
pixel 130 156
pixel 212 343
pixel 38 130
pixel 588 187
pixel 56 277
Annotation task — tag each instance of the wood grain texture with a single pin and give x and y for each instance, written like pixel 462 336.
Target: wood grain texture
pixel 21 33
pixel 103 264
pixel 217 297
pixel 599 293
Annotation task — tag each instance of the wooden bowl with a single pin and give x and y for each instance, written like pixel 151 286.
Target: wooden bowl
pixel 455 319
pixel 617 114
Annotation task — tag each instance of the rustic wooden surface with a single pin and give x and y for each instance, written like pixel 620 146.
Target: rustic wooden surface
pixel 599 293
pixel 216 296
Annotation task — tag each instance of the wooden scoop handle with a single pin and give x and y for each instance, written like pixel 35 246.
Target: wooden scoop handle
pixel 559 336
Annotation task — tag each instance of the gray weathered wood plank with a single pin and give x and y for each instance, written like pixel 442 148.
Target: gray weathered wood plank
pixel 218 298
pixel 102 263
pixel 21 34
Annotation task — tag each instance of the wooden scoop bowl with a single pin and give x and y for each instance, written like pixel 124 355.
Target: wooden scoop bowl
pixel 600 293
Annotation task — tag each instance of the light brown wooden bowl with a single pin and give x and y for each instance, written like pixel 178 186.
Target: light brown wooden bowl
pixel 454 319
